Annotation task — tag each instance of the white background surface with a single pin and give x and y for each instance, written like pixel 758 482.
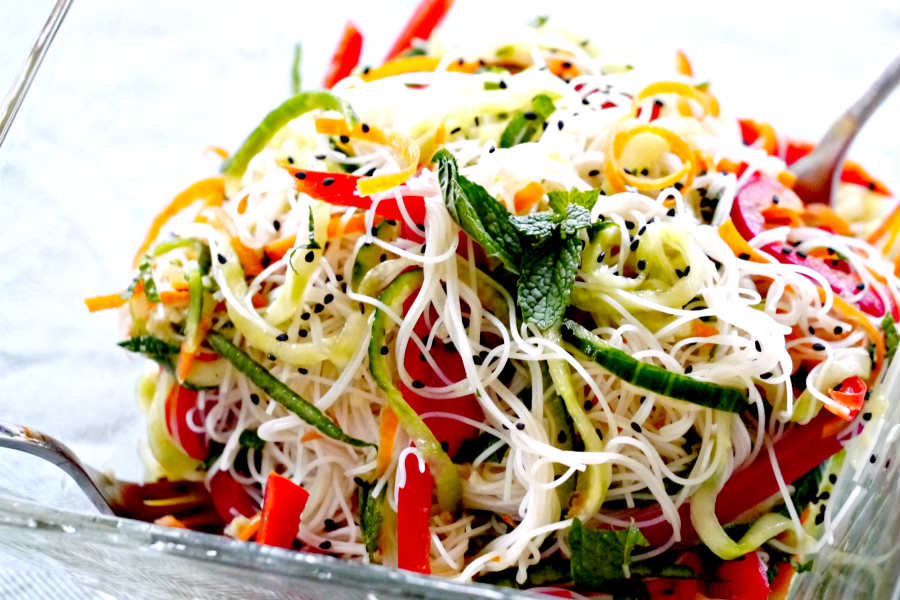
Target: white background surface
pixel 131 92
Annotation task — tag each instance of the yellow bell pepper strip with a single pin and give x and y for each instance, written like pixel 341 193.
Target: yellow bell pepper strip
pixel 686 91
pixel 96 303
pixel 731 236
pixel 854 315
pixel 619 175
pixel 416 64
pixel 212 188
pixel 683 64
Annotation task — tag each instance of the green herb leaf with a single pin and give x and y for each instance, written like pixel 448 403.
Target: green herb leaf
pixel 891 337
pixel 525 125
pixel 546 279
pixel 574 219
pixel 370 514
pixel 144 276
pixel 215 451
pixel 152 347
pixel 471 448
pixel 601 556
pixel 538 21
pixel 587 199
pixel 481 216
pixel 250 439
pixel 536 226
pixel 504 51
pixel 295 69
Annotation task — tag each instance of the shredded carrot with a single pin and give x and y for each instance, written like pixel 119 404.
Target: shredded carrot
pixel 897 266
pixel 701 329
pixel 853 314
pixel 890 223
pixel 258 300
pixel 677 146
pixel 188 352
pixel 354 225
pixel 174 297
pixel 782 582
pixel 787 179
pixel 683 64
pixel 817 214
pixel 218 150
pixel 784 215
pixel 277 249
pixel 310 436
pixel 247 531
pixel 387 433
pixel 685 91
pixel 416 64
pixel 728 166
pixel 527 197
pixel 214 187
pixel 249 258
pixel 508 519
pixel 731 236
pixel 104 302
pixel 170 521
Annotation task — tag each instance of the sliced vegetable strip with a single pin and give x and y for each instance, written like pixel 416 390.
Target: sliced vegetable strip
pixel 447 480
pixel 677 146
pixel 210 189
pixel 653 378
pixel 415 64
pixel 283 504
pixel 96 303
pixel 426 17
pixel 413 508
pixel 279 391
pixel 346 56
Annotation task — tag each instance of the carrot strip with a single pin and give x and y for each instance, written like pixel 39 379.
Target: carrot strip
pixel 851 313
pixel 528 196
pixel 310 436
pixel 787 179
pixel 277 249
pixel 785 215
pixel 890 222
pixel 217 150
pixel 683 64
pixel 387 433
pixel 170 521
pixel 242 205
pixel 104 302
pixel 249 258
pixel 362 131
pixel 563 68
pixel 354 225
pixel 246 533
pixel 822 215
pixel 258 300
pixel 213 187
pixel 728 166
pixel 174 297
pixel 188 354
pixel 701 329
pixel 731 236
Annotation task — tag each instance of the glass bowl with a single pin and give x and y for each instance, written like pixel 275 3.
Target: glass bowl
pixel 116 123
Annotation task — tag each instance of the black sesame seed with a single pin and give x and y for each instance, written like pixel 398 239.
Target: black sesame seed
pixel 670 212
pixel 593 172
pixel 873 459
pixel 370 172
pixel 328 181
pixel 636 426
pixel 867 416
pixel 635 244
pixel 520 426
pixel 561 437
pixel 330 525
pixel 276 225
pixel 678 186
pixel 820 518
pixel 838 330
pixel 281 337
pixel 544 126
pixel 254 398
pixel 871 185
pixel 743 256
pixel 818 347
pixel 345 139
pixel 774 199
pixel 642 230
pixel 318 157
pixel 860 286
pixel 502 85
pixel 300 175
pixel 382 258
pixel 641 264
pixel 491 150
pixel 530 115
pixel 455 130
pixel 445 446
pixel 290 160
pixel 365 127
pixel 222 260
pixel 310 256
pixel 328 299
pixel 585 101
pixel 326 545
pixel 588 405
pixel 302 370
pixel 629 224
pixel 560 125
pixel 319 307
pixel 303 333
pixel 832 478
pixel 765 375
pixel 786 250
pixel 801 254
pixel 758 346
pixel 477 121
pixel 688 369
pixel 645 171
pixel 305 316
pixel 271 357
pixel 812 330
pixel 384 350
pixel 824 495
pixel 418 384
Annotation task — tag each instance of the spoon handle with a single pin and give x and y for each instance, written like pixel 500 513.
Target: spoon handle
pixel 817 172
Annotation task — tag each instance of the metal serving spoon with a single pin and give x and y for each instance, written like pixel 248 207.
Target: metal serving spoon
pixel 186 500
pixel 819 172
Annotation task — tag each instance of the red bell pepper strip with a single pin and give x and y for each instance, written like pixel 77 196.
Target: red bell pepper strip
pixel 346 56
pixel 230 498
pixel 179 402
pixel 427 16
pixel 798 450
pixel 741 579
pixel 449 432
pixel 413 510
pixel 340 189
pixel 283 504
pixel 851 394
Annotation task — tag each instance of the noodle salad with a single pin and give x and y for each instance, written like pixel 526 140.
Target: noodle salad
pixel 515 311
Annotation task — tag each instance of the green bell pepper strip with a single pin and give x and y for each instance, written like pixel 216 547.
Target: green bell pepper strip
pixel 650 377
pixel 448 486
pixel 234 167
pixel 279 391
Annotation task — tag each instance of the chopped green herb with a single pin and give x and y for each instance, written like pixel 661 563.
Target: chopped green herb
pixel 538 21
pixel 600 556
pixel 504 51
pixel 153 348
pixel 547 276
pixel 250 439
pixel 891 337
pixel 526 125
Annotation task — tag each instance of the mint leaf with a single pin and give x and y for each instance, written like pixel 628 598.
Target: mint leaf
pixel 144 276
pixel 545 283
pixel 536 226
pixel 481 216
pixel 601 556
pixel 576 218
pixel 587 199
pixel 525 125
pixel 891 337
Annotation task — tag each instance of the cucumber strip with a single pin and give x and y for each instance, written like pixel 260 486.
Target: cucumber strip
pixel 234 167
pixel 562 435
pixel 448 486
pixel 594 483
pixel 370 254
pixel 194 311
pixel 650 377
pixel 278 391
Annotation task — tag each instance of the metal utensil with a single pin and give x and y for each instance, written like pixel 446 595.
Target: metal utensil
pixel 189 501
pixel 818 173
pixel 17 92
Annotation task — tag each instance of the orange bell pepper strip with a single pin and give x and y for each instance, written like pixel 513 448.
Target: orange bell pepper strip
pixel 731 236
pixel 823 216
pixel 527 197
pixel 701 329
pixel 855 316
pixel 212 189
pixel 104 302
pixel 683 64
pixel 387 434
